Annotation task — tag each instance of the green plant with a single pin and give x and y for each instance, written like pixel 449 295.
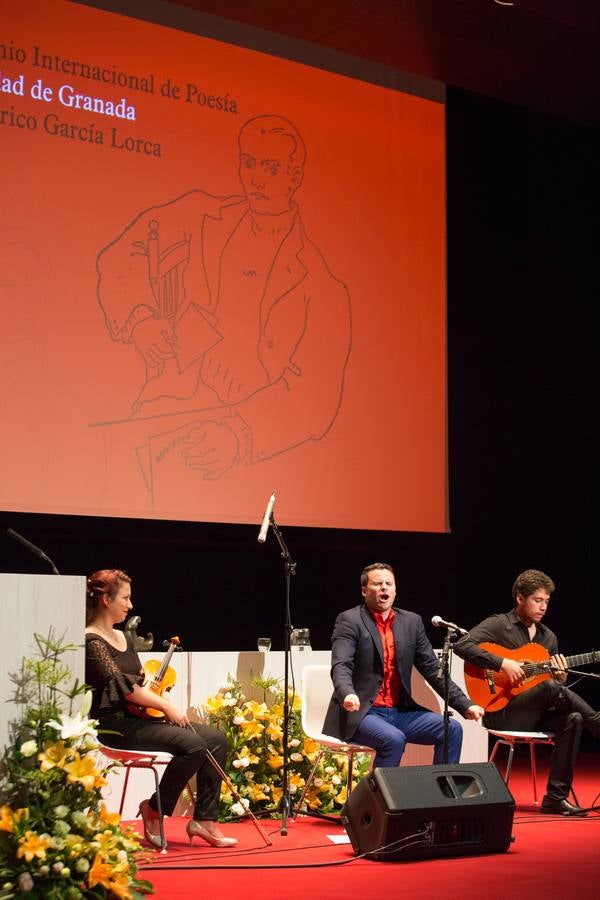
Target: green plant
pixel 57 839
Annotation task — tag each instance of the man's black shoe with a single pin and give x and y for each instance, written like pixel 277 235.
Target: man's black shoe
pixel 561 808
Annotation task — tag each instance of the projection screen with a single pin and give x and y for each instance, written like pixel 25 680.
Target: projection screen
pixel 222 275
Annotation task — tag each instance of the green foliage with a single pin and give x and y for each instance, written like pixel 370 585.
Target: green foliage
pixel 57 839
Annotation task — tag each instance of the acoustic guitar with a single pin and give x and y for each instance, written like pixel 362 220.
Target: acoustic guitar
pixel 493 690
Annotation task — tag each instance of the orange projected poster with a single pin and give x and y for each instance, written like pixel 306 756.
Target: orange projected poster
pixel 222 274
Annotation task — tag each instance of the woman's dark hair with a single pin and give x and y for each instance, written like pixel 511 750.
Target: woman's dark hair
pixel 104 582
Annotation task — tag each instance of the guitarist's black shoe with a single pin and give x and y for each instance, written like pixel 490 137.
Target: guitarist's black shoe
pixel 561 808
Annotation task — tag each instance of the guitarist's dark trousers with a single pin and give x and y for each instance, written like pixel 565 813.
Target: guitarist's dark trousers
pixel 549 706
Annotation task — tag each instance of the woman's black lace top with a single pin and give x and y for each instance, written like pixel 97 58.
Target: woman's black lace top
pixel 111 673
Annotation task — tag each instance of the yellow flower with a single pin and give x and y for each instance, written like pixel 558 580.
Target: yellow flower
pixel 245 751
pixel 6 819
pixel 275 761
pixel 313 799
pixel 276 795
pixel 296 781
pixel 342 796
pixel 251 729
pixel 120 886
pixel 277 710
pixel 226 795
pixel 275 731
pixel 83 771
pixel 108 876
pixel 257 793
pixel 108 841
pixel 258 710
pixel 213 704
pixel 310 747
pixel 31 844
pixel 53 755
pixel 109 818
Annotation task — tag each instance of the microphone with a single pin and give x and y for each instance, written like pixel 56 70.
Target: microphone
pixel 22 540
pixel 262 534
pixel 438 622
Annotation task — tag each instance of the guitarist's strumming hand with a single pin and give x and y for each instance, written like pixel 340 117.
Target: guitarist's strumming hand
pixel 512 670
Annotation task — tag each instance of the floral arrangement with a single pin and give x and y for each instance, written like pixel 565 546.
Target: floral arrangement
pixel 57 839
pixel 255 763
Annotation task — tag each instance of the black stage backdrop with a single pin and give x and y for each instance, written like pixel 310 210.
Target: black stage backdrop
pixel 522 280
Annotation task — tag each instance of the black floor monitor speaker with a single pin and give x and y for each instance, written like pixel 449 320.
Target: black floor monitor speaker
pixel 420 812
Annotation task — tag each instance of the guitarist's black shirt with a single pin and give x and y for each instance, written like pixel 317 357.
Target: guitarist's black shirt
pixel 507 630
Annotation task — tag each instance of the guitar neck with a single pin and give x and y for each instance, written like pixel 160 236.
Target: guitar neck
pixel 583 659
pixel 580 659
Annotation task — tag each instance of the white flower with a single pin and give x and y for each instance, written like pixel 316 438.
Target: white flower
pixel 294 743
pixel 230 702
pixel 241 763
pixel 80 820
pixel 293 788
pixel 318 782
pixel 75 726
pixel 82 865
pixel 86 703
pixel 296 757
pixel 61 811
pixel 237 720
pixel 329 770
pixel 28 748
pixel 25 882
pixel 239 809
pixel 336 779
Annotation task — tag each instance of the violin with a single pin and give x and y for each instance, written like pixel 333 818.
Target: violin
pixel 159 677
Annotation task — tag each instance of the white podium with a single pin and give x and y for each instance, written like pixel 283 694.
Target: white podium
pixel 30 605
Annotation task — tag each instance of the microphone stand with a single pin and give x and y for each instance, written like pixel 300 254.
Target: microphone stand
pixel 32 547
pixel 285 805
pixel 444 669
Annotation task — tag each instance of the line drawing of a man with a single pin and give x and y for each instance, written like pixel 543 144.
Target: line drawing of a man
pixel 244 330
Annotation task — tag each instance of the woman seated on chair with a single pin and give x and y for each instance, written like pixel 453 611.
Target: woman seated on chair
pixel 114 671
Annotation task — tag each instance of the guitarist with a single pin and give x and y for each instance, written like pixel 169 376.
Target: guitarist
pixel 547 706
